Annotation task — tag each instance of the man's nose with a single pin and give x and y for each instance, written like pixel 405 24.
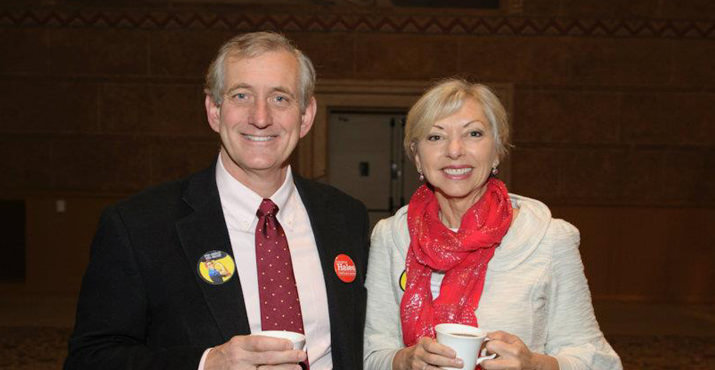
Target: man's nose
pixel 260 115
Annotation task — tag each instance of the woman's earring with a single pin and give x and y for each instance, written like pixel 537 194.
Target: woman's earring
pixel 495 171
pixel 422 177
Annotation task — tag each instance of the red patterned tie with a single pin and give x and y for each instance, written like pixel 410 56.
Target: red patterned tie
pixel 280 306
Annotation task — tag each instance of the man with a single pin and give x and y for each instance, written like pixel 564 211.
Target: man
pixel 149 299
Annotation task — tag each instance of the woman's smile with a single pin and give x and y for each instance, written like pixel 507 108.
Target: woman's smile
pixel 457 172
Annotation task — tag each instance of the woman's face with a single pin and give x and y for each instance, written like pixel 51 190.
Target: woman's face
pixel 458 153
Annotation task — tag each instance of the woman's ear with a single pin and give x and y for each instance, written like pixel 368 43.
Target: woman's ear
pixel 416 156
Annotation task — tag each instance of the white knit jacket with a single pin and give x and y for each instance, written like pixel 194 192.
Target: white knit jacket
pixel 535 288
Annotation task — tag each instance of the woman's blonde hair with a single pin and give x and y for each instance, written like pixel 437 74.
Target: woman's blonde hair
pixel 446 98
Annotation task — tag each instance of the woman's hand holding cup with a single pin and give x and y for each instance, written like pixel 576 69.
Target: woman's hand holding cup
pixel 514 354
pixel 467 341
pixel 427 354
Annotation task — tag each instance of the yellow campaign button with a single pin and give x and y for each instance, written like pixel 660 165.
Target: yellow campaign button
pixel 403 280
pixel 216 267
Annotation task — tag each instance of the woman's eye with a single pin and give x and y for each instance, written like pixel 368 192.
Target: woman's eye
pixel 433 137
pixel 475 133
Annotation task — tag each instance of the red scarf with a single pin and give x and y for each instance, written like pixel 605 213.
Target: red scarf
pixel 464 256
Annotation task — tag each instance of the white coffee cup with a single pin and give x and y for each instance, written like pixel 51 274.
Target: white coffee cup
pixel 467 341
pixel 297 339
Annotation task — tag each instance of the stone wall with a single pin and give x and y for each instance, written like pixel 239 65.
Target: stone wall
pixel 612 106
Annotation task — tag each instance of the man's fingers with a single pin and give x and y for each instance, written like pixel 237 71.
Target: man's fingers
pixel 279 367
pixel 292 356
pixel 261 350
pixel 260 343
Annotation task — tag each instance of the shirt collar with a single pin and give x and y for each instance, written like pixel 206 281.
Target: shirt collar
pixel 240 203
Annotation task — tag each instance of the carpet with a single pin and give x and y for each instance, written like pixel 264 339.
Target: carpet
pixel 44 348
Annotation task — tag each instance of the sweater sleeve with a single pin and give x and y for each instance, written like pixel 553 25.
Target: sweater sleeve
pixel 573 335
pixel 382 325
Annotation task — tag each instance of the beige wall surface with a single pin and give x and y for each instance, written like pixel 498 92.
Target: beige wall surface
pixel 612 105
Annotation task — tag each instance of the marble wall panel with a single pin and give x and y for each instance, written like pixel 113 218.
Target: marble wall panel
pixel 399 57
pixel 620 62
pixel 146 109
pixel 184 53
pixel 101 164
pixel 24 51
pixel 592 175
pixel 640 177
pixel 693 63
pixel 708 178
pixel 177 158
pixel 634 253
pixel 669 118
pixel 694 9
pixel 531 60
pixel 558 116
pixel 613 8
pixel 48 106
pixel 687 177
pixel 541 7
pixel 332 54
pixel 536 172
pixel 25 163
pixel 77 51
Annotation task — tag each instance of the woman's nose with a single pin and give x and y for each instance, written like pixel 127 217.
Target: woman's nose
pixel 455 148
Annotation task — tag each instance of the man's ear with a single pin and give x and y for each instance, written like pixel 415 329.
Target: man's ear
pixel 308 117
pixel 213 113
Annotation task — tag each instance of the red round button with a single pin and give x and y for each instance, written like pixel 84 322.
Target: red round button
pixel 345 268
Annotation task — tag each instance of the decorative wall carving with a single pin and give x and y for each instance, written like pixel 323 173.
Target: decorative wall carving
pixel 372 22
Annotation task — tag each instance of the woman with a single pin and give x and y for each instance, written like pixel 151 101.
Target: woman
pixel 466 251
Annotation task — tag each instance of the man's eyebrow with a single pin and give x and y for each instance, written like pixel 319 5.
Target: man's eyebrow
pixel 243 85
pixel 240 85
pixel 283 90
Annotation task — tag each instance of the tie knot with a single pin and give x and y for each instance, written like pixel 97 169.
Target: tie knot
pixel 267 208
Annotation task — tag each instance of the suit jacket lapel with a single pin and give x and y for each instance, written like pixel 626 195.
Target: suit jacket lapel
pixel 204 230
pixel 327 223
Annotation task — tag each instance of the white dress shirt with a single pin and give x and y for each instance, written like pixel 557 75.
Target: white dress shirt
pixel 239 204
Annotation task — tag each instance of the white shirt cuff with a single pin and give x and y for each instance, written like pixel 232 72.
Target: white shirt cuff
pixel 203 358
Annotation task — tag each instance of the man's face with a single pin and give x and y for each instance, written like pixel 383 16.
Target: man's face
pixel 259 120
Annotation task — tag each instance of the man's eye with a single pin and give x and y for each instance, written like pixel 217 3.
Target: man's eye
pixel 239 96
pixel 281 99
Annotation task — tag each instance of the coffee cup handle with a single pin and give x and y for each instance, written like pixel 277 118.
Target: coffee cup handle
pixel 483 351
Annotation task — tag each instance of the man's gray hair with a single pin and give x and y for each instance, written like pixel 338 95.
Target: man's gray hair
pixel 254 44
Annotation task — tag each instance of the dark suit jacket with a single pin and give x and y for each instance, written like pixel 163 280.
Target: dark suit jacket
pixel 143 305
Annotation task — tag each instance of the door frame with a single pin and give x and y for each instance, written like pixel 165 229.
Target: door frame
pixel 366 95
